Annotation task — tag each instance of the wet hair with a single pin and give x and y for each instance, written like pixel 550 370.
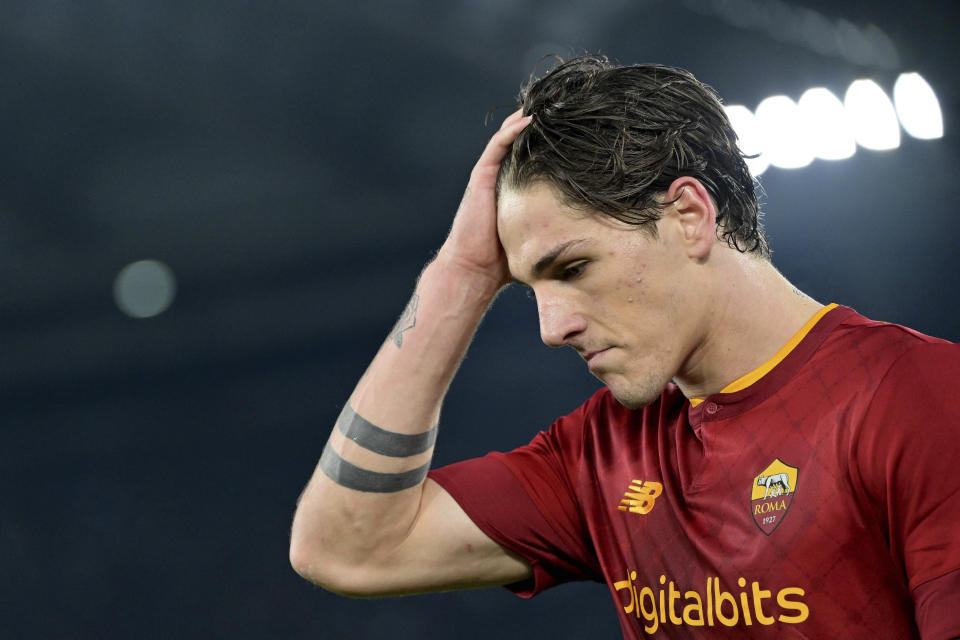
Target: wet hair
pixel 612 139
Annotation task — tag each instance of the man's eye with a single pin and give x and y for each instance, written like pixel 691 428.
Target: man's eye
pixel 573 271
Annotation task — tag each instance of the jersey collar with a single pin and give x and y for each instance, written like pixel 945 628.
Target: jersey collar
pixel 749 390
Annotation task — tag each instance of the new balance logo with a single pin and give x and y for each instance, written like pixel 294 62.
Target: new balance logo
pixel 640 496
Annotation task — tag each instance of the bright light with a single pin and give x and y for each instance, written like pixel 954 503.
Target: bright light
pixel 918 107
pixel 826 122
pixel 787 134
pixel 871 113
pixel 749 138
pixel 785 139
pixel 144 288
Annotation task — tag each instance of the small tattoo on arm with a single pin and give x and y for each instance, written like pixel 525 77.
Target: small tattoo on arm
pixel 407 321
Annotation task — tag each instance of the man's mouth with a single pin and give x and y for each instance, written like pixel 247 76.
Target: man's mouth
pixel 592 357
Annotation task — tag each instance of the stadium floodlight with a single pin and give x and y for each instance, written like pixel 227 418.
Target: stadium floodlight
pixel 917 107
pixel 826 122
pixel 749 138
pixel 785 138
pixel 789 135
pixel 872 115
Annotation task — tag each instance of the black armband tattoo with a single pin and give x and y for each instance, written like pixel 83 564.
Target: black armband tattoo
pixel 387 443
pixel 353 477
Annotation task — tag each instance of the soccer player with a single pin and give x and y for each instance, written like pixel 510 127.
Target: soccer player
pixel 758 464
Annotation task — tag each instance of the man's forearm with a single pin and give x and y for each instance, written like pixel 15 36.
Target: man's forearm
pixel 405 384
pixel 364 495
pixel 355 530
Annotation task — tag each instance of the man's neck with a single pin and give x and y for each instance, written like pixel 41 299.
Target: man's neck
pixel 753 313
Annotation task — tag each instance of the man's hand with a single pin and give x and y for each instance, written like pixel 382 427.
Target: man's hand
pixel 473 243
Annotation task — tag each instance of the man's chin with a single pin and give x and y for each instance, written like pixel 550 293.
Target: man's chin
pixel 631 392
pixel 634 398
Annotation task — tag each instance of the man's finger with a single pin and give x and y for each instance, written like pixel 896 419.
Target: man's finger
pixel 516 115
pixel 496 149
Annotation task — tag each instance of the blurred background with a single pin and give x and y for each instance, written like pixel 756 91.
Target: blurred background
pixel 211 214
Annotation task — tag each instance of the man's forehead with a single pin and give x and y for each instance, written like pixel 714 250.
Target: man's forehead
pixel 535 210
pixel 528 215
pixel 529 198
pixel 537 231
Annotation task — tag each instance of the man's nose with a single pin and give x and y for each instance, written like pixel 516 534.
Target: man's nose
pixel 558 323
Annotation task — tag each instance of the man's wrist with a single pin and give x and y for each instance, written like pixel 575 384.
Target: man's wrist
pixel 478 285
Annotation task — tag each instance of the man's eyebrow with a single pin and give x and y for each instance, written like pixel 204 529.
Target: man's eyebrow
pixel 544 263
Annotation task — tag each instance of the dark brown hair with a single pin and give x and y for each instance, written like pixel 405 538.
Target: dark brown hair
pixel 611 139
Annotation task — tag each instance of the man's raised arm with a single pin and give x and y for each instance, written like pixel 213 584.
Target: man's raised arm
pixel 368 523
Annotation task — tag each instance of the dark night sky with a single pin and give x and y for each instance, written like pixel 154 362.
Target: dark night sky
pixel 295 164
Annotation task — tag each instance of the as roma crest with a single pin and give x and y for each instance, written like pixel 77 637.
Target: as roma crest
pixel 772 495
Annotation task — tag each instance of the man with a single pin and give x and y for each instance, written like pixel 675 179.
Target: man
pixel 758 464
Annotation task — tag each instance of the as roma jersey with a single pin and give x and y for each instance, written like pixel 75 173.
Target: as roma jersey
pixel 822 501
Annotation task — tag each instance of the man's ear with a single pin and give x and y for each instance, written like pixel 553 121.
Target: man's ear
pixel 696 215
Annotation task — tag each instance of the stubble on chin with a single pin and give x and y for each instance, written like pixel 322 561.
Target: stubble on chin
pixel 638 394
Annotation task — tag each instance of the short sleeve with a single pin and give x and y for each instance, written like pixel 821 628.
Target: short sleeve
pixel 909 458
pixel 524 501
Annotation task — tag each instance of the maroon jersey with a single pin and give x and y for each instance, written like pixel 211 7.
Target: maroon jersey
pixel 822 501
